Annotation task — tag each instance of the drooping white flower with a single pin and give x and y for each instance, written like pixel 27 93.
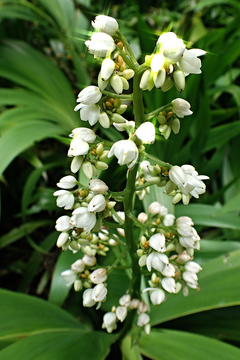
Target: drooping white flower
pixel 109 322
pixel 157 242
pixel 63 223
pixel 67 182
pixel 125 300
pixel 146 133
pixel 106 24
pixel 83 133
pixel 143 319
pixel 100 44
pixel 177 176
pixel 78 147
pixel 89 260
pixel 168 220
pixel 125 151
pixel 107 68
pixel 168 283
pixel 87 298
pixel 90 113
pixel 89 96
pixel 97 204
pixel 189 63
pixel 193 266
pixel 156 261
pixel 98 276
pixel 82 218
pixel 69 276
pixel 121 313
pixel 191 279
pixel 157 296
pixel 181 107
pixel 99 293
pixel 64 199
pixel 169 270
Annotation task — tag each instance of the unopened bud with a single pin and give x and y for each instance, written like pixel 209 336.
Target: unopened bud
pixel 101 165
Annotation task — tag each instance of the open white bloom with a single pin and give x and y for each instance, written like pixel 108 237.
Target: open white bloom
pixel 100 45
pixel 69 276
pixel 168 283
pixel 191 279
pixel 155 208
pixel 67 182
pixel 193 266
pixel 82 218
pixel 157 296
pixel 171 47
pixel 98 276
pixel 146 133
pixel 87 298
pixel 156 261
pixel 181 107
pixel 89 96
pixel 64 199
pixel 97 204
pixel 90 113
pixel 106 24
pixel 78 147
pixel 99 293
pixel 168 220
pixel 189 63
pixel 157 242
pixel 169 270
pixel 121 313
pixel 125 151
pixel 83 133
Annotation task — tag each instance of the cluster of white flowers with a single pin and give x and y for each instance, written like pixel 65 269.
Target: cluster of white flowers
pixel 170 64
pixel 166 245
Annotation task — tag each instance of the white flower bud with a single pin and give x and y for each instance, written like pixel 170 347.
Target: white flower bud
pixel 193 266
pixel 142 260
pixel 116 118
pixel 83 133
pixel 76 163
pixel 179 80
pixel 97 204
pixel 176 126
pixel 62 239
pixel 78 266
pixel 157 296
pixel 168 220
pixel 168 84
pixel 78 285
pixel 159 78
pixel 100 165
pixel 89 260
pixel 116 83
pixel 142 217
pixel 128 73
pixel 109 321
pixel 107 68
pixel 121 313
pixel 157 62
pixel 87 169
pixel 104 120
pixel 105 24
pixel 90 95
pixel 145 79
pixel 98 276
pixel 146 133
pixel 97 186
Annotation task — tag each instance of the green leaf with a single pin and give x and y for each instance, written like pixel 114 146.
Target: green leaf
pixel 230 206
pixel 58 289
pixel 218 288
pixel 221 134
pixel 207 215
pixel 24 315
pixel 22 136
pixel 60 345
pixel 172 345
pixel 18 233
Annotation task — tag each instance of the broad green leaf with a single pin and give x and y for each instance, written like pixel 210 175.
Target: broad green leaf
pixel 58 289
pixel 23 230
pixel 230 206
pixel 24 315
pixel 218 288
pixel 61 345
pixel 22 136
pixel 221 134
pixel 172 345
pixel 206 215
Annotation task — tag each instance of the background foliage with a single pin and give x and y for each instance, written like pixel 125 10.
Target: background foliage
pixel 43 65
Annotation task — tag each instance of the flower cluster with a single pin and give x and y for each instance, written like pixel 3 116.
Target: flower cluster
pixel 165 247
